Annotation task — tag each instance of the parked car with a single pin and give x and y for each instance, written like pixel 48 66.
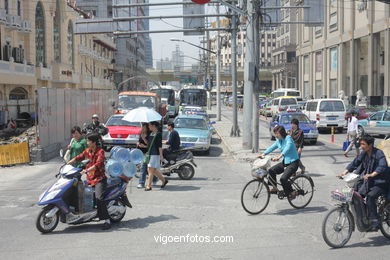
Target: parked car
pixel 376 124
pixel 280 104
pixel 121 132
pixel 327 113
pixel 361 113
pixel 310 131
pixel 195 132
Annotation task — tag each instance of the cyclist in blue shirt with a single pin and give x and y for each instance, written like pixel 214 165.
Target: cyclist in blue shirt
pixel 285 144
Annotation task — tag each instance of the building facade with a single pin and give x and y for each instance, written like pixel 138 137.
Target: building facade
pixel 350 52
pixel 284 65
pixel 39 49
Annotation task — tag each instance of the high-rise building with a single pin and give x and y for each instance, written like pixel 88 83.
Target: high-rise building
pixel 178 59
pixel 130 60
pixel 148 40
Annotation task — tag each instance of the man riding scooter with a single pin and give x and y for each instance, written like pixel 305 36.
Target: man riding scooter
pixel 174 144
pixel 372 166
pixel 96 175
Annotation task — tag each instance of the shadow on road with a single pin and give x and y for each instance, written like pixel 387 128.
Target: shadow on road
pixel 143 222
pixel 180 188
pixel 374 242
pixel 315 174
pixel 302 211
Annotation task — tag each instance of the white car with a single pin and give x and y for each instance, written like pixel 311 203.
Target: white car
pixel 280 104
pixel 327 113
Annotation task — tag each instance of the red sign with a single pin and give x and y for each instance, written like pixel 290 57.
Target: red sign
pixel 201 2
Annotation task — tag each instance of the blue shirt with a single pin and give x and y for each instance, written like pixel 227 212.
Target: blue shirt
pixel 286 147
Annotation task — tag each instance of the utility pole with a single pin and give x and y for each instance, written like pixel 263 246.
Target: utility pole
pixel 208 66
pixel 235 129
pixel 257 35
pixel 218 66
pixel 249 76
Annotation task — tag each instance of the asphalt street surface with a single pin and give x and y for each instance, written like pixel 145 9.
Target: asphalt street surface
pixel 208 205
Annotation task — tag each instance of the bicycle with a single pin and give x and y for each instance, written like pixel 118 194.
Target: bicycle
pixel 258 188
pixel 350 210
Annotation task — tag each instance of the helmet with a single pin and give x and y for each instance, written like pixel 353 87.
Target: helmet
pixel 95 116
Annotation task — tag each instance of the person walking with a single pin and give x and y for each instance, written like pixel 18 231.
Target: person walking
pixel 352 134
pixel 297 134
pixel 156 156
pixel 77 145
pixel 143 146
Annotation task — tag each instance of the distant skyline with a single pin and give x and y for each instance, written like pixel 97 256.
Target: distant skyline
pixel 162 46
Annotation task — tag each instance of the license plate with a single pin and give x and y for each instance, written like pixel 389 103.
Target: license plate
pixel 332 118
pixel 119 141
pixel 187 144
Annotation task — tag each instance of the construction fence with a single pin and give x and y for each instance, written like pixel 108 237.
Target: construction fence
pixel 61 109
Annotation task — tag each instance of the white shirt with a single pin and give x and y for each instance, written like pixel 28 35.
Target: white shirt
pixel 353 125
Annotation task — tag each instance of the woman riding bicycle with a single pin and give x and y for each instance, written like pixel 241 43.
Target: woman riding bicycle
pixel 289 165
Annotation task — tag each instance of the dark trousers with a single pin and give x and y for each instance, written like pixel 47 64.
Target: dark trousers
pixel 371 195
pixel 288 170
pixel 168 154
pixel 100 203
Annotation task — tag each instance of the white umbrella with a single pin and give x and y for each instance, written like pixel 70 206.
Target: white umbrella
pixel 143 115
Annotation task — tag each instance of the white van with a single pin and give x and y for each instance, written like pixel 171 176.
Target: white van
pixel 327 113
pixel 280 104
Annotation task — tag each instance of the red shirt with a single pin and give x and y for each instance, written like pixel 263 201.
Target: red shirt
pixel 96 159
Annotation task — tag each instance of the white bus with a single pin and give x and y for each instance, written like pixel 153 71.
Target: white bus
pixel 286 92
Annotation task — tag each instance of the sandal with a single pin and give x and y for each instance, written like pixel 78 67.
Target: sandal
pixel 164 184
pixel 148 188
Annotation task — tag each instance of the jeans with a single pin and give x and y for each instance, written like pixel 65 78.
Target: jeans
pixel 100 203
pixel 288 169
pixel 144 172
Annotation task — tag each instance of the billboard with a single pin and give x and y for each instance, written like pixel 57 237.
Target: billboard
pixel 191 22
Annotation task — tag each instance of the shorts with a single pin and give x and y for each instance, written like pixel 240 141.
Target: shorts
pixel 154 162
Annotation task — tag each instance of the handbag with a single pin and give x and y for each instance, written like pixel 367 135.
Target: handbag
pixel 67 154
pixel 345 145
pixel 147 155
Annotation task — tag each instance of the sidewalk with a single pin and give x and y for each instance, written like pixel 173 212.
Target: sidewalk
pixel 233 143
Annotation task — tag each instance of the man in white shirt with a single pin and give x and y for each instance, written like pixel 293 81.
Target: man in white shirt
pixel 352 134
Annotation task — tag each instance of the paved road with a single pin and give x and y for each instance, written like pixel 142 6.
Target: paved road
pixel 208 205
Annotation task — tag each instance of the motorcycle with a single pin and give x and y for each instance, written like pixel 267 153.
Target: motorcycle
pixel 351 211
pixel 70 201
pixel 182 163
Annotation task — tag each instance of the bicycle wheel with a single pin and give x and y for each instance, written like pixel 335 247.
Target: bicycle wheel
pixel 337 227
pixel 385 221
pixel 304 187
pixel 255 196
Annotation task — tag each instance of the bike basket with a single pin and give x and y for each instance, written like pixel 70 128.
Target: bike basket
pixel 259 173
pixel 345 195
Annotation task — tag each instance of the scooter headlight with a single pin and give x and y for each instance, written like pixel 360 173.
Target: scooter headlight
pixel 49 196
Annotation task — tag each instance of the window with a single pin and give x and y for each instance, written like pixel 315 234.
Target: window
pixel 306 65
pixel 18 94
pixel 19 8
pixel 56 35
pixel 386 117
pixel 40 38
pixel 333 59
pixel 332 106
pixel 70 43
pixel 377 117
pixel 6 6
pixel 333 22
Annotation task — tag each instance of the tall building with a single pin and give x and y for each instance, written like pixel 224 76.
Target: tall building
pixel 178 59
pixel 130 60
pixel 350 52
pixel 164 64
pixel 41 50
pixel 284 63
pixel 148 40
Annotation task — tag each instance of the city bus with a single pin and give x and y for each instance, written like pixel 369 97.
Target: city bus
pixel 167 94
pixel 193 96
pixel 283 92
pixel 129 100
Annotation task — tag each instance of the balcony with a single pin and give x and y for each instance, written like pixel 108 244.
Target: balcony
pixel 13 21
pixel 86 51
pixel 14 73
pixel 277 65
pixel 26 26
pixel 44 74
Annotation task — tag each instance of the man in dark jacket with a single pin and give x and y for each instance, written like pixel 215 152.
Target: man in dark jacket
pixel 371 164
pixel 173 142
pixel 297 134
pixel 95 127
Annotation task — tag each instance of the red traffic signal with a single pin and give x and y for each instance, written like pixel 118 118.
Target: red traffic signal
pixel 201 2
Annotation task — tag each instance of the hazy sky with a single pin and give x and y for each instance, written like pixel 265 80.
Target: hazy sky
pixel 162 46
